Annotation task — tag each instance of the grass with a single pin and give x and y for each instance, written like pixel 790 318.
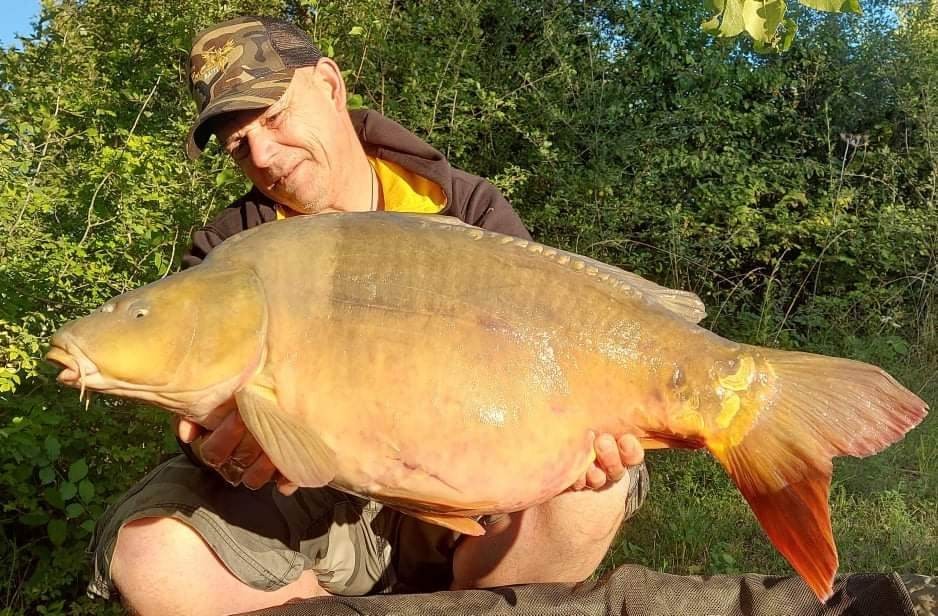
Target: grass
pixel 884 512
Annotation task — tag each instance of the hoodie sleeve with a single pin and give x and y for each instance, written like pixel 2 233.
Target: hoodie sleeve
pixel 479 203
pixel 251 210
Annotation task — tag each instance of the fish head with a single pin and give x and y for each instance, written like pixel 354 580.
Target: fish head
pixel 186 343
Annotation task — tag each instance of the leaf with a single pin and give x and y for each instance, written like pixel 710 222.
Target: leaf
pixel 68 490
pixel 88 525
pixel 46 474
pixel 227 176
pixel 57 530
pixel 898 345
pixel 86 490
pixel 356 31
pixel 34 519
pixel 73 510
pixel 791 28
pixel 834 6
pixel 355 101
pixel 732 22
pixel 54 497
pixel 53 448
pixel 712 25
pixel 78 470
pixel 762 18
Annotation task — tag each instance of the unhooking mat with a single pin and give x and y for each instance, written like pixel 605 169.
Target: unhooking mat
pixel 631 590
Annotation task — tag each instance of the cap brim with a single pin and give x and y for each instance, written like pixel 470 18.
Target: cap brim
pixel 255 94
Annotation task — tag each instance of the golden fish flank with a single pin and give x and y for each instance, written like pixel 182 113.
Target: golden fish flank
pixel 512 377
pixel 728 385
pixel 496 415
pixel 546 371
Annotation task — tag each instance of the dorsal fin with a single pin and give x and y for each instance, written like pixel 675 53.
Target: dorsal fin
pixel 682 303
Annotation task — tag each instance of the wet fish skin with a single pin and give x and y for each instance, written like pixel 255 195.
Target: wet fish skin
pixel 451 372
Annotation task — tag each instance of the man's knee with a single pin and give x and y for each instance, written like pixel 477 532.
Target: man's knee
pixel 154 547
pixel 159 558
pixel 163 566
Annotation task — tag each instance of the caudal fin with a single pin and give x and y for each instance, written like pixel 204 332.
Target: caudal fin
pixel 820 407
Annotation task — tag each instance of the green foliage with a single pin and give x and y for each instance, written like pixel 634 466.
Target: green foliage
pixel 96 197
pixel 764 21
pixel 795 193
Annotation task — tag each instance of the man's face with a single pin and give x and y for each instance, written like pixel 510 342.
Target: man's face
pixel 289 150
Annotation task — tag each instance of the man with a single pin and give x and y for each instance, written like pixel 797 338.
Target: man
pixel 207 533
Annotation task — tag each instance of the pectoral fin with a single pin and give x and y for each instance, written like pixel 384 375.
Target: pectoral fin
pixel 466 526
pixel 298 452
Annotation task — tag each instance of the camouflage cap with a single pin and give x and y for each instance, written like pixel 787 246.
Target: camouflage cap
pixel 243 63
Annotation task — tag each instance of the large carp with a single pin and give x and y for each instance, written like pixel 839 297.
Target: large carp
pixel 450 372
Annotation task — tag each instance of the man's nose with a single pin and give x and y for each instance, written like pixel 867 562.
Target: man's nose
pixel 262 148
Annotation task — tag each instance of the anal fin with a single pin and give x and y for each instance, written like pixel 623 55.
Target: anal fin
pixel 460 524
pixel 298 452
pixel 665 441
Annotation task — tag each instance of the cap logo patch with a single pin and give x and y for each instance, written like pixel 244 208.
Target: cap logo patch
pixel 214 61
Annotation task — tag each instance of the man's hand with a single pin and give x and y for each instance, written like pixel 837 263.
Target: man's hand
pixel 612 458
pixel 233 452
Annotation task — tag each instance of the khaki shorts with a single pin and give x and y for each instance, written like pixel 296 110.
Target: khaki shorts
pixel 267 540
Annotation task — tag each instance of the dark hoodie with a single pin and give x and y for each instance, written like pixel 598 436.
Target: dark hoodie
pixel 468 197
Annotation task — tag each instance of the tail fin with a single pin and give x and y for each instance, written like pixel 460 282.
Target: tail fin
pixel 821 407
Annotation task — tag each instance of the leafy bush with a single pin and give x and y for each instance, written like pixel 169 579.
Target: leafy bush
pixel 795 193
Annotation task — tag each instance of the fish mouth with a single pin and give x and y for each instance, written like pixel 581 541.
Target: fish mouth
pixel 75 365
pixel 77 370
pixel 80 372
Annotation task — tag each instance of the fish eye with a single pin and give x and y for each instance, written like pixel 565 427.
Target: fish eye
pixel 139 313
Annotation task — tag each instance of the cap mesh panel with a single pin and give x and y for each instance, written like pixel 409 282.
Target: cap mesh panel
pixel 291 43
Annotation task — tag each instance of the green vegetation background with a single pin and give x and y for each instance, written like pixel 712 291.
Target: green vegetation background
pixel 795 193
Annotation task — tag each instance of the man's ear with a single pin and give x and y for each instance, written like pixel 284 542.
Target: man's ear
pixel 329 72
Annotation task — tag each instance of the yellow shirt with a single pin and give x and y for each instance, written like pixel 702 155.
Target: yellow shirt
pixel 403 191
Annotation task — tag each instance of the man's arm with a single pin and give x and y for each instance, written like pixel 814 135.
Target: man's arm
pixel 251 210
pixel 479 203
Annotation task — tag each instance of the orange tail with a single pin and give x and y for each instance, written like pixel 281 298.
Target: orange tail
pixel 823 407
